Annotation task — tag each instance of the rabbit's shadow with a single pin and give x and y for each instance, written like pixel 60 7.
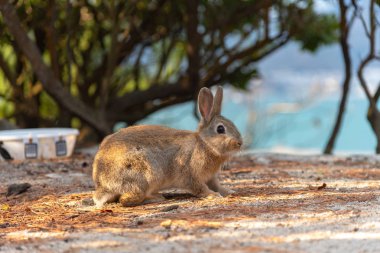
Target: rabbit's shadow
pixel 177 195
pixel 166 195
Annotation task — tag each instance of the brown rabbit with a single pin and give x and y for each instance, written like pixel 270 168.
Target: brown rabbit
pixel 135 163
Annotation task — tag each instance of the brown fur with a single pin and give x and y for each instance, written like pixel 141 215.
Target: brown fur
pixel 133 164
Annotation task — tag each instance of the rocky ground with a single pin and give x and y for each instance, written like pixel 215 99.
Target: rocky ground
pixel 282 204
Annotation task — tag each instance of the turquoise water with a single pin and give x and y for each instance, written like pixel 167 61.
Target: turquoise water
pixel 310 128
pixel 290 74
pixel 305 129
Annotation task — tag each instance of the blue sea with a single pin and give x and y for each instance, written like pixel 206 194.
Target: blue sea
pixel 293 107
pixel 282 125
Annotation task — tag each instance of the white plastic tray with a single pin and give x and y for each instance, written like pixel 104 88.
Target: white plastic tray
pixel 38 143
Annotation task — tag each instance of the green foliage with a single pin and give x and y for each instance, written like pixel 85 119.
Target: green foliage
pixel 322 30
pixel 102 51
pixel 48 107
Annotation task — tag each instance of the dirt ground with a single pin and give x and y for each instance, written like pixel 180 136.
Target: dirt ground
pixel 282 204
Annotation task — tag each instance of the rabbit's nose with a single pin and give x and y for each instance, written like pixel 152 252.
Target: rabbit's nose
pixel 238 143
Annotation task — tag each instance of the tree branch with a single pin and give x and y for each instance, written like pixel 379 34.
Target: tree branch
pixel 345 28
pixel 51 84
pixel 137 67
pixel 377 93
pixel 51 38
pixel 193 45
pixel 164 58
pixel 370 56
pixel 138 98
pixel 245 53
pixel 111 58
pixel 359 12
pixel 7 71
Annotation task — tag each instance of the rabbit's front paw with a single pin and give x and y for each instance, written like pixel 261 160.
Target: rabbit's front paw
pixel 225 192
pixel 213 195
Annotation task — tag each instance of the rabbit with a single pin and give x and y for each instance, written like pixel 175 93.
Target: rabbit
pixel 135 163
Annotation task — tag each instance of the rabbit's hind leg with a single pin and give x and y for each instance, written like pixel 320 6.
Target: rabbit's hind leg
pixel 134 191
pixel 102 196
pixel 132 198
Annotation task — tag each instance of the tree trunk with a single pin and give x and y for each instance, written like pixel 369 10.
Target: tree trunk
pixel 193 37
pixel 373 117
pixel 344 29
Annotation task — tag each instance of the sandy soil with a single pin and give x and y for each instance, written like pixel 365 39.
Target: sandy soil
pixel 282 204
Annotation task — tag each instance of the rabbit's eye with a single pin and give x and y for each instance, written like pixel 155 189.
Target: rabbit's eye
pixel 220 129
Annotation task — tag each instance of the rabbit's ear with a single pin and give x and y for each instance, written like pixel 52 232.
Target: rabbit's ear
pixel 217 106
pixel 205 101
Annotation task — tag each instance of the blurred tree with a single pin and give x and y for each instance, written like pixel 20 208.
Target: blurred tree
pixel 370 27
pixel 347 17
pixel 102 62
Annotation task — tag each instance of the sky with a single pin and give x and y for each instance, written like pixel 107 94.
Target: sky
pixel 322 69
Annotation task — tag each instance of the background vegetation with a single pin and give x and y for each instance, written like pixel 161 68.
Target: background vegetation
pixel 91 64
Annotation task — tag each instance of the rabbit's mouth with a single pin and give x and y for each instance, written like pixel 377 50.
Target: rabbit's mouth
pixel 235 145
pixel 232 150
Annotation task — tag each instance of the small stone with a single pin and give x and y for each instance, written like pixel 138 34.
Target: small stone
pixel 166 224
pixel 169 208
pixel 4 225
pixel 88 202
pixel 15 189
pixel 72 216
pixel 167 236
